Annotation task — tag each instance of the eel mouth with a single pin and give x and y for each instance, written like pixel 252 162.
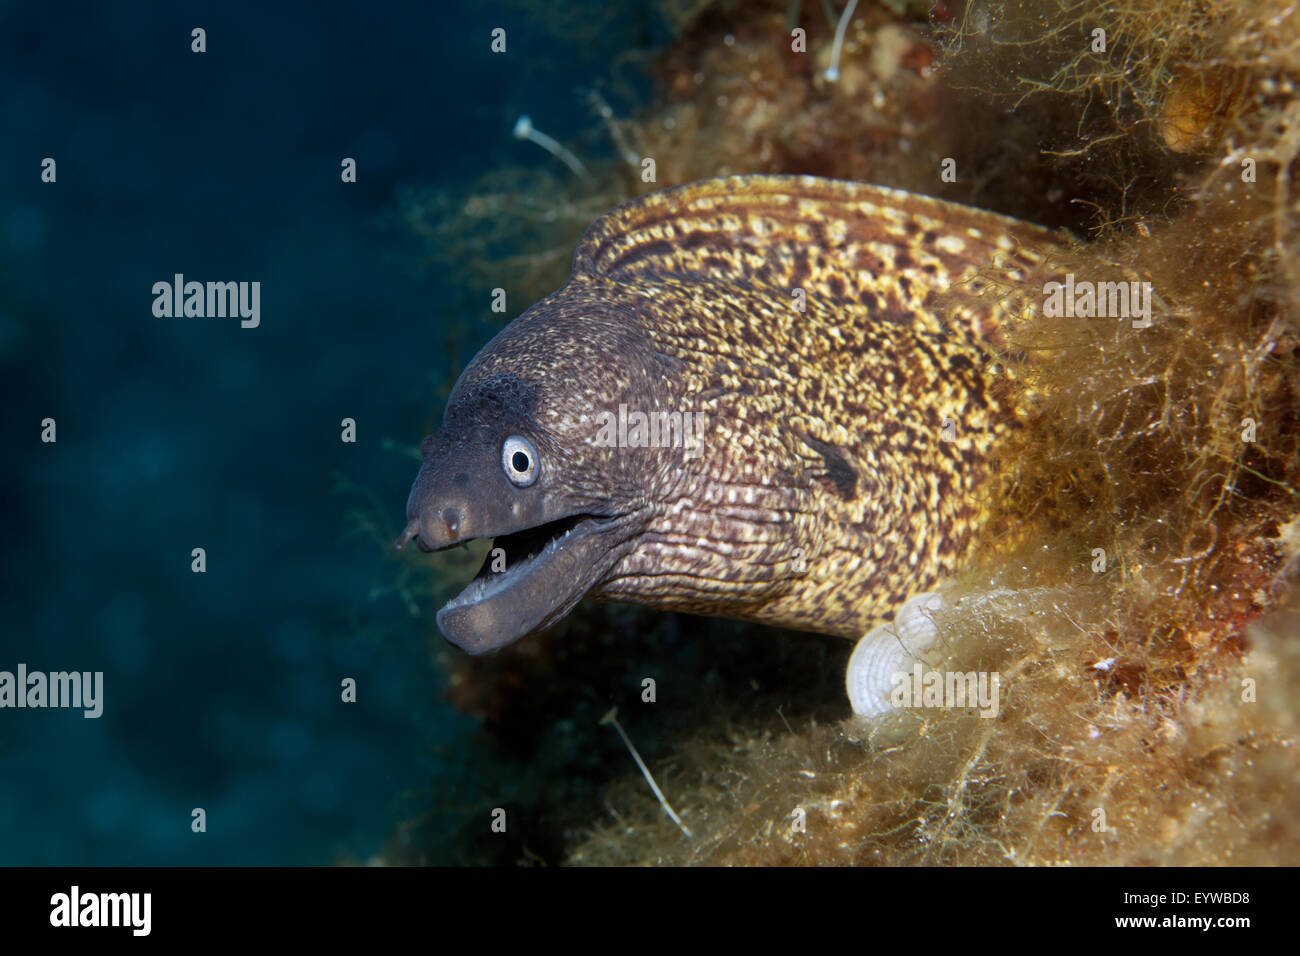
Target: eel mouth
pixel 529 580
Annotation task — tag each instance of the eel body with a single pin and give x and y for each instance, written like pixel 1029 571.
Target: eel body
pixel 771 398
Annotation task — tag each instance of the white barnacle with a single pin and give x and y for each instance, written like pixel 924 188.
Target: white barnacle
pixel 889 651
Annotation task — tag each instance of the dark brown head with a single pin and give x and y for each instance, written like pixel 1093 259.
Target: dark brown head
pixel 521 458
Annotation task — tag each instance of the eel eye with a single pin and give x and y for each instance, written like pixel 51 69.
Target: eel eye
pixel 519 460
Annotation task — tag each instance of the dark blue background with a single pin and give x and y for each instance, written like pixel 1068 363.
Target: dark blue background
pixel 222 689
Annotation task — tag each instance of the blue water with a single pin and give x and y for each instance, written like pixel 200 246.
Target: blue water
pixel 222 688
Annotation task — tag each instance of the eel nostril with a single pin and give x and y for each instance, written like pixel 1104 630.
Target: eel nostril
pixel 451 518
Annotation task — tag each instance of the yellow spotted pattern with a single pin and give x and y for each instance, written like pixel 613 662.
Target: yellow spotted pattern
pixel 841 340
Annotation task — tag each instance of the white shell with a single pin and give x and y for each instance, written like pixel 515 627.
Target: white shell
pixel 889 650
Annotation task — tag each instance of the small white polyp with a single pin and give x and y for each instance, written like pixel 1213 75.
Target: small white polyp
pixel 889 650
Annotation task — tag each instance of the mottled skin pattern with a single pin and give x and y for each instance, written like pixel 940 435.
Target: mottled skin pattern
pixel 830 488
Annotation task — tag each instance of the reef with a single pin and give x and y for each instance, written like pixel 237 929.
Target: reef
pixel 1139 596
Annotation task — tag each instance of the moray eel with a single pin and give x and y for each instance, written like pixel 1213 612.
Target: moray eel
pixel 833 348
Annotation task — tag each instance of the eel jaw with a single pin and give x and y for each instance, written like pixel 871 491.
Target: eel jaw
pixel 548 569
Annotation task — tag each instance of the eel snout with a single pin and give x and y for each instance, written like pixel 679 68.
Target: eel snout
pixel 445 510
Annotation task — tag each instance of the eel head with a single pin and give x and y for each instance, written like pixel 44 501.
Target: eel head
pixel 517 459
